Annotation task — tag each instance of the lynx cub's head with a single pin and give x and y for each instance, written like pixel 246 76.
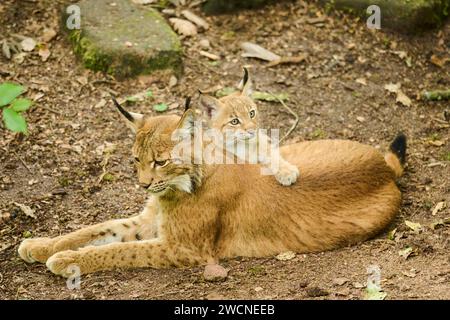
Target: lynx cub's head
pixel 235 113
pixel 158 171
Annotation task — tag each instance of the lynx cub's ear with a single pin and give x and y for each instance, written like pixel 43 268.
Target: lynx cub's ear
pixel 210 104
pixel 132 120
pixel 246 84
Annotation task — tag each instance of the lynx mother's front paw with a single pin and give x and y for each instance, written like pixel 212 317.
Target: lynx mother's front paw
pixel 287 175
pixel 36 250
pixel 65 263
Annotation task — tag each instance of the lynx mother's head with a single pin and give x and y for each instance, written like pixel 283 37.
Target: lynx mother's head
pixel 159 171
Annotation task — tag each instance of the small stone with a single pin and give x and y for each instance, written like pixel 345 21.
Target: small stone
pixel 204 43
pixel 124 39
pixel 285 256
pixel 214 273
pixel 28 44
pixel 258 289
pixel 173 81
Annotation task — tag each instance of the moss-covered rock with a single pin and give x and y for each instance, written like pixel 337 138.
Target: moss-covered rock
pixel 124 39
pixel 225 6
pixel 403 15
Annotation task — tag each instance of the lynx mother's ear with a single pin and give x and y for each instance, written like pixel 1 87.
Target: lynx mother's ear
pixel 209 104
pixel 132 120
pixel 246 85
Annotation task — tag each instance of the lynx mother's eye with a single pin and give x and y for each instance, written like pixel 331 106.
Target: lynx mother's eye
pixel 252 113
pixel 161 163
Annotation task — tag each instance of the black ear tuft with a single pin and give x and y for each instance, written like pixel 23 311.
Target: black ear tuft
pixel 245 79
pixel 187 104
pixel 125 113
pixel 398 147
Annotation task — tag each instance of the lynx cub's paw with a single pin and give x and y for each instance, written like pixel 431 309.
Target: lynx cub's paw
pixel 38 249
pixel 287 174
pixel 63 263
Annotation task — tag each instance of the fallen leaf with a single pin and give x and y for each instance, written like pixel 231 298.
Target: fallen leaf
pixel 286 60
pixel 360 119
pixel 416 227
pixel 100 104
pixel 48 35
pixel 410 274
pixel 440 222
pixel 195 19
pixel 403 99
pixel 44 53
pixel 391 234
pixel 209 55
pixel 6 50
pixel 285 256
pixel 183 27
pixel 405 253
pixel 361 81
pixel 28 44
pixel 439 206
pixel 437 61
pixel 340 281
pixel 252 50
pixel 26 210
pixel 392 87
pixel 436 143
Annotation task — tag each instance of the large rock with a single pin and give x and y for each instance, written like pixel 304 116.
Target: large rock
pixel 225 6
pixel 124 39
pixel 403 15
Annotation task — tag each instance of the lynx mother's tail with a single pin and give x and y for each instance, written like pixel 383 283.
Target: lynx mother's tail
pixel 396 156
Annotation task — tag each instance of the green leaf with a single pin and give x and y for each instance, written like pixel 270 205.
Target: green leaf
pixel 258 95
pixel 149 94
pixel 161 107
pixel 20 105
pixel 8 92
pixel 225 92
pixel 14 121
pixel 131 99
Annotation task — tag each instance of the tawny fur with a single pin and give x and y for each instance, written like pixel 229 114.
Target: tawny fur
pixel 347 194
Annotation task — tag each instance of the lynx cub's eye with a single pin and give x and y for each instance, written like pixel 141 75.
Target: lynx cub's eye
pixel 161 163
pixel 252 113
pixel 235 122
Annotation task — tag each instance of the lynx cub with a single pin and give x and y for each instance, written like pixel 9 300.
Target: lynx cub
pixel 237 115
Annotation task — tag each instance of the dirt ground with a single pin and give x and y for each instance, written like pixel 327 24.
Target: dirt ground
pixel 338 93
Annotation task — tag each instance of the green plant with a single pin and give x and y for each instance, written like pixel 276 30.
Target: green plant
pixel 12 107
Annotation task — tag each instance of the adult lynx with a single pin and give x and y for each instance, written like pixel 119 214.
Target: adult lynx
pixel 198 214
